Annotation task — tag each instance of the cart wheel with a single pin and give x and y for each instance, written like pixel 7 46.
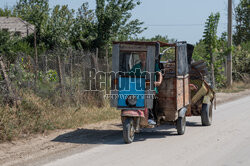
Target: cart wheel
pixel 181 125
pixel 128 130
pixel 206 114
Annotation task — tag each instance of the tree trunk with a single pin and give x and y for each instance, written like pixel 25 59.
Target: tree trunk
pixel 95 60
pixel 212 70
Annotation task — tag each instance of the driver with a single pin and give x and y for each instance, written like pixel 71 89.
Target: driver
pixel 139 70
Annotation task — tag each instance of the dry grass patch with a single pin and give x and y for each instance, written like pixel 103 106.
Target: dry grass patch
pixel 37 115
pixel 236 87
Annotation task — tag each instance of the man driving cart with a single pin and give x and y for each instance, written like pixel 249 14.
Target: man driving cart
pixel 138 70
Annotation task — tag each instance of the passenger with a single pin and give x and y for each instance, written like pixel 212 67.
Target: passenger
pixel 139 70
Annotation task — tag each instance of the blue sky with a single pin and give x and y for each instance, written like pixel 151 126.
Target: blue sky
pixel 179 19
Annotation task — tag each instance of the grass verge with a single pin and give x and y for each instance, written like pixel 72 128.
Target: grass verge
pixel 236 87
pixel 37 115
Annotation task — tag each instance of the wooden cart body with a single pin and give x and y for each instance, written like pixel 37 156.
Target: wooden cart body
pixel 174 93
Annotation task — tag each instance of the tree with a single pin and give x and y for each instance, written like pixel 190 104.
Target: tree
pixel 35 12
pixel 200 52
pixel 210 40
pixel 83 30
pixel 156 38
pixel 130 30
pixel 242 18
pixel 11 45
pixel 7 12
pixel 5 42
pixel 59 27
pixel 241 62
pixel 110 21
pixel 113 20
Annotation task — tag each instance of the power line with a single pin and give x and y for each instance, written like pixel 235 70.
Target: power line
pixel 175 25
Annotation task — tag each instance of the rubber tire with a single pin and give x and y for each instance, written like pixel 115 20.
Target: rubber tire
pixel 181 125
pixel 206 114
pixel 128 130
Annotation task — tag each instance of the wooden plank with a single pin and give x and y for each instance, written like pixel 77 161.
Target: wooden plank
pixel 187 92
pixel 166 100
pixel 179 94
pixel 168 83
pixel 166 93
pixel 197 62
pixel 115 69
pixel 150 67
pixel 115 58
pixel 184 91
pixel 135 48
pixel 185 76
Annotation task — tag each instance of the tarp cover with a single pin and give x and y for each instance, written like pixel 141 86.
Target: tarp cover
pixel 182 61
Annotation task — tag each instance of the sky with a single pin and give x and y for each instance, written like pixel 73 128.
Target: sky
pixel 182 20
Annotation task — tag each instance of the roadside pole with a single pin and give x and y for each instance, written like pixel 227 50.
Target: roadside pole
pixel 229 56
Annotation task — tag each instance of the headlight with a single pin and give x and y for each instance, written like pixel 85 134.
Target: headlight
pixel 131 100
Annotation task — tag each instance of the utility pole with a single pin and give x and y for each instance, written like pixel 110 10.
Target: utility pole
pixel 229 56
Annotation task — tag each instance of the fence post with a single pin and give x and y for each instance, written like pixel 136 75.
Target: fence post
pixel 71 67
pixel 96 58
pixel 107 69
pixel 60 73
pixel 46 63
pixel 36 59
pixel 7 81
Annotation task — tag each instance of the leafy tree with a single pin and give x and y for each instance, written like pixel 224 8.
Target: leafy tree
pixel 220 54
pixel 84 28
pixel 7 12
pixel 242 18
pixel 5 42
pixel 130 30
pixel 199 52
pixel 112 21
pixel 59 27
pixel 241 62
pixel 155 38
pixel 11 45
pixel 210 41
pixel 35 12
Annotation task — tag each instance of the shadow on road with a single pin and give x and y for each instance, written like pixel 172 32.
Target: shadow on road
pixel 193 124
pixel 112 137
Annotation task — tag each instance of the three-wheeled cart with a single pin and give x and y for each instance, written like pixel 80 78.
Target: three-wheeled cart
pixel 136 95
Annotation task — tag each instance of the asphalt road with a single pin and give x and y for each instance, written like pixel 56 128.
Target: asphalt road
pixel 226 142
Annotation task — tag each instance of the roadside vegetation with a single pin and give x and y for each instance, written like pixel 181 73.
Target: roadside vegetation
pixel 38 115
pixel 235 88
pixel 48 81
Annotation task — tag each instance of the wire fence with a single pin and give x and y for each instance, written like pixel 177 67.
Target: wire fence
pixel 59 75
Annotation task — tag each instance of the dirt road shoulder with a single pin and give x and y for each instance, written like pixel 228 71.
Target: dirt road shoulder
pixel 45 147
